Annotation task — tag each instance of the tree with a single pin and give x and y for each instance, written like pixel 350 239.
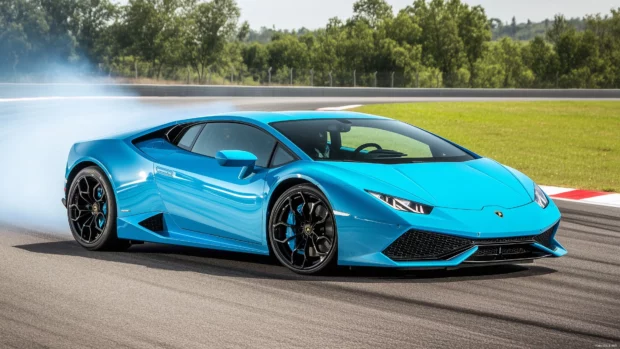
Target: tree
pixel 607 32
pixel 398 48
pixel 542 61
pixel 152 30
pixel 89 23
pixel 453 34
pixel 288 51
pixel 372 11
pixel 37 36
pixel 244 31
pixel 503 66
pixel 15 42
pixel 256 57
pixel 490 73
pixel 359 47
pixel 513 27
pixel 516 73
pixel 441 45
pixel 209 27
pixel 474 30
pixel 495 23
pixel 559 27
pixel 328 51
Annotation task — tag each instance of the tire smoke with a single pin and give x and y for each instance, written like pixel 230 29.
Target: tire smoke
pixel 36 136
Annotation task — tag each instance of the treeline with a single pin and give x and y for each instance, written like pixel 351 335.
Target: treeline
pixel 524 31
pixel 529 30
pixel 427 44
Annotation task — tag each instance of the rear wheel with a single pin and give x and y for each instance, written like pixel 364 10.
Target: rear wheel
pixel 91 210
pixel 302 230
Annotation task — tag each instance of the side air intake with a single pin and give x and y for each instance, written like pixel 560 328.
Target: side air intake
pixel 154 223
pixel 546 238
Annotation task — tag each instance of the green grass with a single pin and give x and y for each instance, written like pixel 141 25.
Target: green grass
pixel 568 144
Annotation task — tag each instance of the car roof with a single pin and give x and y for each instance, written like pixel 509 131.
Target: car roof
pixel 270 117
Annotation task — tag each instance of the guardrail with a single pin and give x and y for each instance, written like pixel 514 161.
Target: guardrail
pixel 89 90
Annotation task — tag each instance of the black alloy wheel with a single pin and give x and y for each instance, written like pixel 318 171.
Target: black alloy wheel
pixel 91 210
pixel 302 230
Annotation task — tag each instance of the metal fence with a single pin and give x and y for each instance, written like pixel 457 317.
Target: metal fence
pixel 272 77
pixel 128 72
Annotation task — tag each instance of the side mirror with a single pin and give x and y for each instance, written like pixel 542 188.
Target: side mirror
pixel 237 158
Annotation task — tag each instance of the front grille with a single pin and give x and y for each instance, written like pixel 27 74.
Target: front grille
pixel 416 245
pixel 419 245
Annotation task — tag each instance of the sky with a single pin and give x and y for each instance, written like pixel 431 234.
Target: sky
pixel 312 14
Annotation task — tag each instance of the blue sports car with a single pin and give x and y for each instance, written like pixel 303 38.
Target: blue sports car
pixel 314 189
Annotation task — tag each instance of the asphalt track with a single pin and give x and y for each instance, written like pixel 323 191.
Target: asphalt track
pixel 55 294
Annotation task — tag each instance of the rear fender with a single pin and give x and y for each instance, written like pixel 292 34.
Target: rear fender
pixel 129 172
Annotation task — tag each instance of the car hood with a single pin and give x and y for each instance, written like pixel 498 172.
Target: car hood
pixel 468 185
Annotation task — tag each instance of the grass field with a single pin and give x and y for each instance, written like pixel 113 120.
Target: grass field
pixel 567 144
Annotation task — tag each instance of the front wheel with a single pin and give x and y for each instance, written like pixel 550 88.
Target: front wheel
pixel 91 210
pixel 302 230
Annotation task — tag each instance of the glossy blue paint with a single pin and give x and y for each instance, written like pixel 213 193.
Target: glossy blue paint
pixel 223 202
pixel 130 173
pixel 204 197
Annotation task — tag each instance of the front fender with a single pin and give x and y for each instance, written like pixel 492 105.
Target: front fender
pixel 346 196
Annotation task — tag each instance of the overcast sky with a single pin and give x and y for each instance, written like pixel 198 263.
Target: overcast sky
pixel 289 14
pixel 312 14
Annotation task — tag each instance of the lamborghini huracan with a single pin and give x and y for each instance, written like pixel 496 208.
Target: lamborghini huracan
pixel 314 189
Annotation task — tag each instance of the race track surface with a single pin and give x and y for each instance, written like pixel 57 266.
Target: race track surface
pixel 53 293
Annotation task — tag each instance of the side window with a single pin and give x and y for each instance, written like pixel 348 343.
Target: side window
pixel 281 157
pixel 230 136
pixel 188 138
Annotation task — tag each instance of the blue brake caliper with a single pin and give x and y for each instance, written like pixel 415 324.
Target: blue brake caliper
pixel 291 220
pixel 101 220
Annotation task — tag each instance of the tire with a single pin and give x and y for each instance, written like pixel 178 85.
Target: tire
pixel 302 231
pixel 91 211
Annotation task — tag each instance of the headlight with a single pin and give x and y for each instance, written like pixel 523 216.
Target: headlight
pixel 540 197
pixel 402 204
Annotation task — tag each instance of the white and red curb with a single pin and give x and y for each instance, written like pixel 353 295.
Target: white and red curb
pixel 583 196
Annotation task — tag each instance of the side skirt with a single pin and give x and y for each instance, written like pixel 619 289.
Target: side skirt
pixel 139 227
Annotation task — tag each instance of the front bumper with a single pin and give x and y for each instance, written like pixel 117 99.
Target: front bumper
pixel 472 237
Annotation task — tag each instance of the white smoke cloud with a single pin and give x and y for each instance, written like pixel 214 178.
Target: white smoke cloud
pixel 35 138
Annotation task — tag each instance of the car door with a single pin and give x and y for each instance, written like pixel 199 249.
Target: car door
pixel 207 198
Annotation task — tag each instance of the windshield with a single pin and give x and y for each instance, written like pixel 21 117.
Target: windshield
pixel 368 140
